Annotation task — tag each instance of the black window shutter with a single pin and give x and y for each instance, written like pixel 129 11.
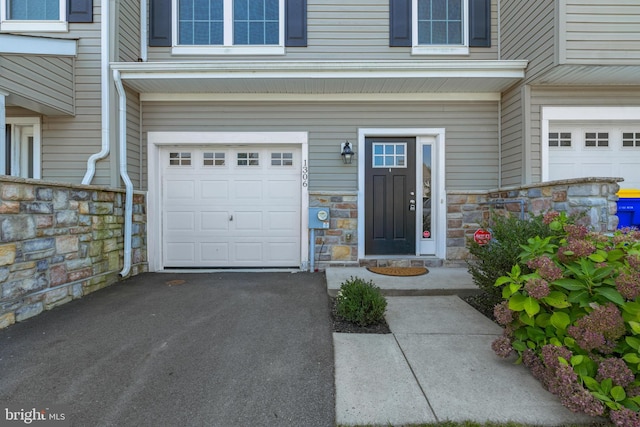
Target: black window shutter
pixel 480 23
pixel 79 10
pixel 295 33
pixel 400 23
pixel 160 23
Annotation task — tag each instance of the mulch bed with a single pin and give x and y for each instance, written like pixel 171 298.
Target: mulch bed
pixel 341 325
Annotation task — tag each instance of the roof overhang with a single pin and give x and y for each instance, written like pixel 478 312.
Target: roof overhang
pixel 326 78
pixel 590 75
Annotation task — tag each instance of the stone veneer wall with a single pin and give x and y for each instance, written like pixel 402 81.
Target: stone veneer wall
pixel 466 211
pixel 337 246
pixel 59 242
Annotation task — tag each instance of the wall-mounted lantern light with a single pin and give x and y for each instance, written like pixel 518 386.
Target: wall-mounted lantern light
pixel 346 152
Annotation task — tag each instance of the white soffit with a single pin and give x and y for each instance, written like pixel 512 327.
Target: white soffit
pixel 29 45
pixel 328 77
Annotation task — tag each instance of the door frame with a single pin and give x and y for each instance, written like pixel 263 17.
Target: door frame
pixel 423 136
pixel 156 140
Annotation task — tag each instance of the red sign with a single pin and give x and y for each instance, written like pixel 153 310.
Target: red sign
pixel 482 237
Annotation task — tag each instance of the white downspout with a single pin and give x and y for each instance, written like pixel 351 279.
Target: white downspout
pixel 143 30
pixel 128 185
pixel 104 91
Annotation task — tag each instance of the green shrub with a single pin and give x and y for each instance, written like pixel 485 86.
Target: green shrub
pixel 360 302
pixel 496 258
pixel 574 320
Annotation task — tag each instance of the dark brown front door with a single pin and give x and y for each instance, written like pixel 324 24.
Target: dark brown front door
pixel 390 196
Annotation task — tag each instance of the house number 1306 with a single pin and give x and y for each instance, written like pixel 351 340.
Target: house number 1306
pixel 305 174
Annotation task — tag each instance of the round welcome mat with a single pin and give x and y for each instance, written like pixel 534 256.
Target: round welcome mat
pixel 399 271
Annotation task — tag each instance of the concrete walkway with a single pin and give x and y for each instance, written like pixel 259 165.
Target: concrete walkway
pixel 436 365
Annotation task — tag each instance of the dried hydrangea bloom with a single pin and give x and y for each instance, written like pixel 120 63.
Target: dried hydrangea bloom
pixel 575 231
pixel 537 288
pixel 628 284
pixel 599 329
pixel 625 417
pixel 503 314
pixel 617 370
pixel 550 216
pixel 502 346
pixel 547 269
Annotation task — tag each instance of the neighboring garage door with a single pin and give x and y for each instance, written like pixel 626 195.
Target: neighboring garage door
pixel 592 150
pixel 231 206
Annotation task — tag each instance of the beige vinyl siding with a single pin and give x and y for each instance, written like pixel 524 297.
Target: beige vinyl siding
pixel 134 152
pixel 602 32
pixel 128 34
pixel 578 96
pixel 528 32
pixel 471 132
pixel 43 81
pixel 67 142
pixel 512 138
pixel 348 30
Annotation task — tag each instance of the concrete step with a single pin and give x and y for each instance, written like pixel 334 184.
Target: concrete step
pixel 438 281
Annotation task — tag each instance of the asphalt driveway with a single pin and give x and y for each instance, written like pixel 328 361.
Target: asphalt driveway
pixel 211 349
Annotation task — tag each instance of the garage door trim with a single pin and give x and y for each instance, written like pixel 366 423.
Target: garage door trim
pixel 156 140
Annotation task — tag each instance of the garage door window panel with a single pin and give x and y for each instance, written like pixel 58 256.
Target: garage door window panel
pixel 596 139
pixel 559 139
pixel 631 140
pixel 213 159
pixel 281 159
pixel 179 159
pixel 248 159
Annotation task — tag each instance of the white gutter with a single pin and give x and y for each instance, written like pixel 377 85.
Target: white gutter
pixel 143 30
pixel 104 91
pixel 122 139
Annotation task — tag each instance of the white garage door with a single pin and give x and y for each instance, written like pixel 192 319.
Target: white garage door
pixel 231 207
pixel 580 150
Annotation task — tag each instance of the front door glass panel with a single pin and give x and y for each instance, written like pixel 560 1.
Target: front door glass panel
pixel 427 222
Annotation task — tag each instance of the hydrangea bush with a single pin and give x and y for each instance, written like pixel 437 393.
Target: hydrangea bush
pixel 574 321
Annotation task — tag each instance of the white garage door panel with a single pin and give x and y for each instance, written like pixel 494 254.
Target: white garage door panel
pixel 231 215
pixel 612 159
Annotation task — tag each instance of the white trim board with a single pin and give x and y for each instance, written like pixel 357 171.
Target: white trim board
pixel 321 97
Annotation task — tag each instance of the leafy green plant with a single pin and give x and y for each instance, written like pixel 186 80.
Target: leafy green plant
pixel 571 313
pixel 360 302
pixel 491 261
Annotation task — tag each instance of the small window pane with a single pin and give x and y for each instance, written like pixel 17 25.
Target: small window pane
pixel 256 22
pixel 631 139
pixel 179 159
pixel 559 139
pixel 34 10
pixel 596 139
pixel 389 155
pixel 281 159
pixel 248 159
pixel 214 159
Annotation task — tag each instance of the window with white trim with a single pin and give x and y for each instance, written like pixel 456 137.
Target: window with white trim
pixel 440 26
pixel 229 26
pixel 179 159
pixel 33 15
pixel 20 155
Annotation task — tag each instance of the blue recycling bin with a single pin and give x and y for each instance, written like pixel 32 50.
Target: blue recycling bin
pixel 629 208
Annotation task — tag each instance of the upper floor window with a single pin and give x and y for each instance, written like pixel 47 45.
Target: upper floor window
pixel 440 27
pixel 229 26
pixel 33 15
